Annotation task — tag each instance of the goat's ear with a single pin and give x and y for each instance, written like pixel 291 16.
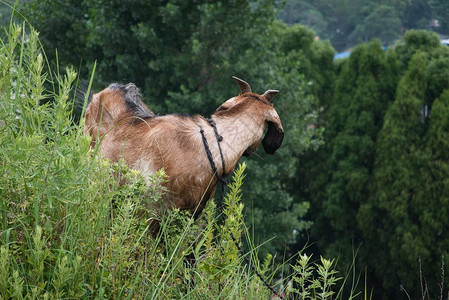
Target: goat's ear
pixel 221 108
pixel 244 86
pixel 275 133
pixel 228 104
pixel 269 95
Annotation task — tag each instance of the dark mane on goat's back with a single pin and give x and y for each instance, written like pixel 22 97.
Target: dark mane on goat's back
pixel 133 100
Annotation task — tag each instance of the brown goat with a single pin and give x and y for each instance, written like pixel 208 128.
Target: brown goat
pixel 117 118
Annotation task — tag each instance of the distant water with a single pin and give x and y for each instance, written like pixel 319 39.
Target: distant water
pixel 342 55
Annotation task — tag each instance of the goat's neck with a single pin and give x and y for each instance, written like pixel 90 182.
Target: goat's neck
pixel 238 134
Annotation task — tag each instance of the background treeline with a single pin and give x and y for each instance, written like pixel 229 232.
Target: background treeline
pixel 349 22
pixel 376 187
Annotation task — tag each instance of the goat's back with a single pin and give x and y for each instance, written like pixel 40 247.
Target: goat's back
pixel 148 143
pixel 173 143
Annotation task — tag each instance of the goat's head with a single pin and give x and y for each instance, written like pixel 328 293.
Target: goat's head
pixel 259 105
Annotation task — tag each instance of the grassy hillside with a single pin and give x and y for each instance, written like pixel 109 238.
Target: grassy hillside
pixel 72 225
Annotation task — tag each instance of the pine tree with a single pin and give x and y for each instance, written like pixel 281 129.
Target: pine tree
pixel 388 218
pixel 432 199
pixel 363 92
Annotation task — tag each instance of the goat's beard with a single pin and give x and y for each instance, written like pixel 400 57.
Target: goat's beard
pixel 250 150
pixel 273 138
pixel 247 153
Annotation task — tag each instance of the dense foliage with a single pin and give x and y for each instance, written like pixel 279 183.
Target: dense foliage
pixel 377 186
pixel 349 22
pixel 374 194
pixel 177 52
pixel 407 198
pixel 354 116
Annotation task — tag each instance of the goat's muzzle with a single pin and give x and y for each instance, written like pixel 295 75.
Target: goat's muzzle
pixel 273 138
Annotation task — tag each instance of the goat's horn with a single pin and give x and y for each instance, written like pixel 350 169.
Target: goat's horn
pixel 244 86
pixel 269 95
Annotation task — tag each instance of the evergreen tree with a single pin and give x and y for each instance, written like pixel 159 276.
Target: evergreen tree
pixel 313 57
pixel 414 41
pixel 432 199
pixel 388 219
pixel 363 92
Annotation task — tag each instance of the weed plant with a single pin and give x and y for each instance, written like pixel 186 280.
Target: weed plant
pixel 73 225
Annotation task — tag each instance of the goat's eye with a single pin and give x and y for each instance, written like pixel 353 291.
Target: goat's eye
pixel 221 108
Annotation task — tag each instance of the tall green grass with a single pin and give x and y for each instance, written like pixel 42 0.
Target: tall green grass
pixel 73 225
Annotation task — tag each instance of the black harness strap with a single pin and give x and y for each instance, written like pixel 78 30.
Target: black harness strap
pixel 219 138
pixel 223 181
pixel 221 178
